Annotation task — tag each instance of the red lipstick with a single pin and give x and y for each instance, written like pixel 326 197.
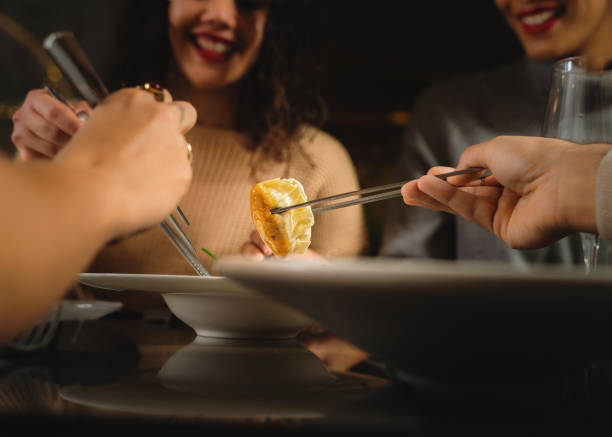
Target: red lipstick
pixel 212 47
pixel 539 20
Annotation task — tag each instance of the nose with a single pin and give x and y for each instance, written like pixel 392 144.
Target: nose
pixel 222 13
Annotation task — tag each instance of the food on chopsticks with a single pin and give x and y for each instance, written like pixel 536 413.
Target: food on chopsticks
pixel 286 233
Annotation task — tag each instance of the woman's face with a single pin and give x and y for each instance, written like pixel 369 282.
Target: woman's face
pixel 215 42
pixel 550 29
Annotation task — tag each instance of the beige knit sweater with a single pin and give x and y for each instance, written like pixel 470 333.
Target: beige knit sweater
pixel 217 203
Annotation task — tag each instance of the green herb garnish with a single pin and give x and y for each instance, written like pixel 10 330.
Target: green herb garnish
pixel 209 253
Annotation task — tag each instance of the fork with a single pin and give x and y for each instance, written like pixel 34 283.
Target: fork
pixel 40 335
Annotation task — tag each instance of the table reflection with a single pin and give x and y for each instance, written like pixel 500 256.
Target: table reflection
pixel 208 378
pixel 163 374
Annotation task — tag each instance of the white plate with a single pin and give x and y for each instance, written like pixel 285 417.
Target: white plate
pixel 164 283
pixel 87 309
pixel 447 320
pixel 213 306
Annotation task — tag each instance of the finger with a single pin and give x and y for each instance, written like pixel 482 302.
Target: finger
pixel 483 191
pixel 45 129
pixel 167 96
pixel 261 245
pixel 440 169
pixel 413 196
pixel 56 113
pixel 249 250
pixel 25 139
pixel 29 155
pixel 490 181
pixel 82 110
pixel 186 115
pixel 476 156
pixel 465 203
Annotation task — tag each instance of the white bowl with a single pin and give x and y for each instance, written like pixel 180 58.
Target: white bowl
pixel 451 321
pixel 213 306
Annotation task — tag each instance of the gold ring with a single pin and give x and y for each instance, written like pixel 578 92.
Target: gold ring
pixel 189 152
pixel 155 89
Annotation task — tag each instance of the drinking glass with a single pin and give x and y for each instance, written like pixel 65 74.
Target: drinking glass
pixel 580 110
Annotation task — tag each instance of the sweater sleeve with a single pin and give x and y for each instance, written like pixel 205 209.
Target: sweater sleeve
pixel 418 232
pixel 340 232
pixel 603 198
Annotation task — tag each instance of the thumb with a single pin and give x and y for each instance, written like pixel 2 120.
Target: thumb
pixel 82 110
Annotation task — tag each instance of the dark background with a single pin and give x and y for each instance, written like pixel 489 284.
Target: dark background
pixel 378 55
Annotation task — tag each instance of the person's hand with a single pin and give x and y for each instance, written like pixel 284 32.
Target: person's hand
pixel 541 189
pixel 133 149
pixel 43 125
pixel 256 249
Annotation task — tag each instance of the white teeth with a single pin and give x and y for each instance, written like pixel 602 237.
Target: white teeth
pixel 540 18
pixel 213 46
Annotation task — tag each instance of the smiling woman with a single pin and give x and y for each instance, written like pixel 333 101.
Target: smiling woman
pixel 208 53
pixel 219 52
pixel 554 29
pixel 246 68
pixel 467 110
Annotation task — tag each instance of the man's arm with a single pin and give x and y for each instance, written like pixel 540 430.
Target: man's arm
pixel 54 221
pixel 124 170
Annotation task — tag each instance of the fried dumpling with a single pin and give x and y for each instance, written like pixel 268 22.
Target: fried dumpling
pixel 286 233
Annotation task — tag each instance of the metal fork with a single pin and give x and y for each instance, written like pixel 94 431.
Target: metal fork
pixel 40 335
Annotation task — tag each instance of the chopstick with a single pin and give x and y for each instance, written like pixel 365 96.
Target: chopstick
pixel 389 191
pixel 184 250
pixel 66 52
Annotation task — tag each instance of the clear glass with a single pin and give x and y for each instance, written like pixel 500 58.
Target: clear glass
pixel 580 110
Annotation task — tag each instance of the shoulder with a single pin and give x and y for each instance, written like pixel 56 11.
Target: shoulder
pixel 471 108
pixel 322 148
pixel 476 91
pixel 321 160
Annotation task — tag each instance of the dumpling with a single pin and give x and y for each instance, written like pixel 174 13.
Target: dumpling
pixel 286 233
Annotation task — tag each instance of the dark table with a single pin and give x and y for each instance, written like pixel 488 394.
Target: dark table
pixel 123 374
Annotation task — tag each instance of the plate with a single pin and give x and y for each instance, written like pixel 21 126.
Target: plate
pixel 214 306
pixel 87 309
pixel 447 321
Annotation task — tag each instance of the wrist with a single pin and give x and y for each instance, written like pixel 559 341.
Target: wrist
pixel 577 186
pixel 92 193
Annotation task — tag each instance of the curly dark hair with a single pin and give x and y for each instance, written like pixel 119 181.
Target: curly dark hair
pixel 281 92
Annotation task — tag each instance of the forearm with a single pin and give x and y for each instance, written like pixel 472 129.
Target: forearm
pixel 51 231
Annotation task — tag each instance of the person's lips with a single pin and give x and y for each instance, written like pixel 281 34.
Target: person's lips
pixel 539 20
pixel 213 47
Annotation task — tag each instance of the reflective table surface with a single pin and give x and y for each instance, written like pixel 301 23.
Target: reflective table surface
pixel 120 374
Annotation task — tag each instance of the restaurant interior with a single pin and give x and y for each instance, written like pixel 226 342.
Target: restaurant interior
pixel 375 58
pixel 189 367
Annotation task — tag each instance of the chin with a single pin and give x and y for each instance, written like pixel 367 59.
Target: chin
pixel 541 52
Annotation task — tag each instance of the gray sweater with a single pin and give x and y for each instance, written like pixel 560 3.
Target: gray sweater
pixel 447 118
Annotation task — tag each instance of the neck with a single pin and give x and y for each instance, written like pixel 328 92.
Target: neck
pixel 599 43
pixel 216 107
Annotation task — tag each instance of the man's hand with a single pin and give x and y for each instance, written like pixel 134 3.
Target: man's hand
pixel 541 189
